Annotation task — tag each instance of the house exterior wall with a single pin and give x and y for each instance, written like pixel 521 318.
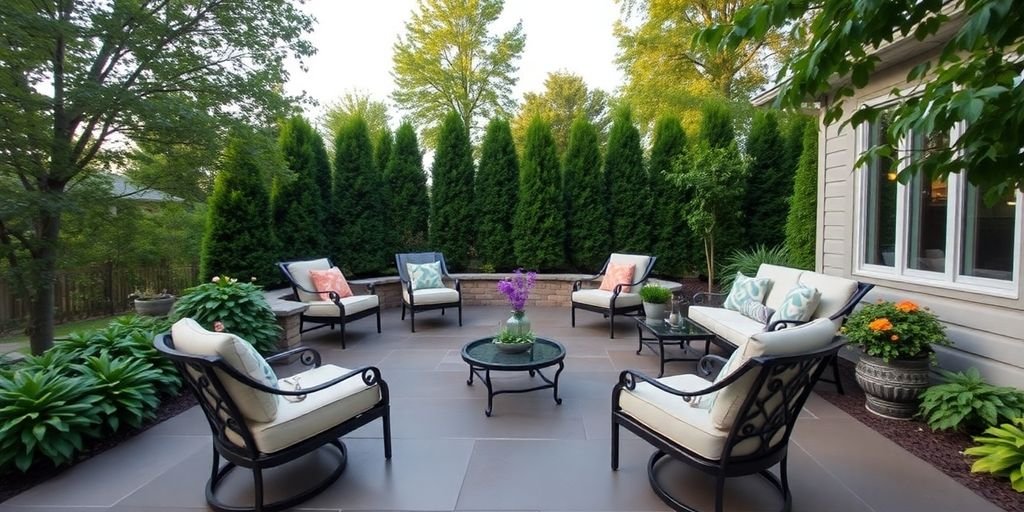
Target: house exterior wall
pixel 987 328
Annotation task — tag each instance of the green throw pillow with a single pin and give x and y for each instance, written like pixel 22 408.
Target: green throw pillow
pixel 799 304
pixel 746 289
pixel 426 275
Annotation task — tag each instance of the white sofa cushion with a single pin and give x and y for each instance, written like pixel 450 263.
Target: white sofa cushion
pixel 300 274
pixel 603 298
pixel 354 304
pixel 835 292
pixel 783 279
pixel 301 419
pixel 427 296
pixel 729 325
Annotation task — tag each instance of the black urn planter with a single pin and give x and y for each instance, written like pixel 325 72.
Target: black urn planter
pixel 154 307
pixel 892 388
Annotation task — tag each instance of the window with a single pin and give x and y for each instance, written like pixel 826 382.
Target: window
pixel 880 246
pixel 928 212
pixel 988 236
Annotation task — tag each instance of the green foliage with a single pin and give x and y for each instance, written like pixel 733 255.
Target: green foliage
pixel 44 414
pixel 322 178
pixel 239 306
pixel 360 235
pixel 802 222
pixel 1001 452
pixel 587 220
pixel 538 233
pixel 966 402
pixel 352 104
pixel 448 60
pixel 507 337
pixel 793 128
pixel 238 238
pixel 895 331
pixel 747 261
pixel 629 193
pixel 655 294
pixel 382 148
pixel 717 130
pixel 410 205
pixel 716 125
pixel 497 194
pixel 769 183
pixel 298 213
pixel 565 97
pixel 127 387
pixel 674 242
pixel 452 217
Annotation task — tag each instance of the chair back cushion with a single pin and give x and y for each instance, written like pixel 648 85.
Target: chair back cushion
pixel 799 304
pixel 616 274
pixel 299 271
pixel 640 262
pixel 425 275
pixel 403 258
pixel 747 289
pixel 783 280
pixel 331 280
pixel 835 292
pixel 190 338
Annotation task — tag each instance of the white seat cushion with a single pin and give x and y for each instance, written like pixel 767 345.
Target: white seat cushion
pixel 603 298
pixel 315 413
pixel 835 292
pixel 729 325
pixel 353 305
pixel 783 279
pixel 427 296
pixel 300 274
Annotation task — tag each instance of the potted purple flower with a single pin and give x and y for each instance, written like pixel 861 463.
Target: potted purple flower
pixel 517 289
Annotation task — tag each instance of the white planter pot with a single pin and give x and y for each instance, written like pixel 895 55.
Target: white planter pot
pixel 655 313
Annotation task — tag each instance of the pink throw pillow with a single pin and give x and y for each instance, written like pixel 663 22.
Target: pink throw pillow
pixel 330 280
pixel 616 274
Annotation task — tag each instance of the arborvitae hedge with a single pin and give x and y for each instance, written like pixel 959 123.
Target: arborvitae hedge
pixel 497 193
pixel 452 216
pixel 628 187
pixel 358 216
pixel 238 240
pixel 295 200
pixel 716 125
pixel 793 141
pixel 586 199
pixel 801 225
pixel 716 130
pixel 674 244
pixel 410 205
pixel 769 183
pixel 324 179
pixel 382 150
pixel 539 230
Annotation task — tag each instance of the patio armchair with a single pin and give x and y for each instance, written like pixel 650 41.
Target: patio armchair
pixel 617 299
pixel 334 309
pixel 427 292
pixel 259 421
pixel 737 425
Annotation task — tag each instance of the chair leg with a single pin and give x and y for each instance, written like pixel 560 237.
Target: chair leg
pixel 412 319
pixel 719 492
pixel 442 311
pixel 835 374
pixel 257 476
pixel 378 320
pixel 615 445
pixel 611 325
pixel 387 434
pixel 342 335
pixel 403 311
pixel 460 314
pixel 573 309
pixel 784 474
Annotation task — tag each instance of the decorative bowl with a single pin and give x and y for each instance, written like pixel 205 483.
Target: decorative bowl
pixel 513 348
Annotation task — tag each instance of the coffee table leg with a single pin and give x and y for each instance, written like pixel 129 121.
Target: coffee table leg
pixel 561 366
pixel 639 339
pixel 490 392
pixel 661 353
pixel 469 381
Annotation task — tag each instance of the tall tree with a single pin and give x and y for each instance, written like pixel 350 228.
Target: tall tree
pixel 802 222
pixel 295 201
pixel 452 216
pixel 410 205
pixel 322 176
pixel 539 230
pixel 673 240
pixel 565 97
pixel 360 203
pixel 793 140
pixel 382 149
pixel 629 193
pixel 80 77
pixel 717 132
pixel 586 196
pixel 351 104
pixel 497 193
pixel 769 183
pixel 716 124
pixel 448 60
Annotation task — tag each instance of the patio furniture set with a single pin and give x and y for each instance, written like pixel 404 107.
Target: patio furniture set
pixel 733 424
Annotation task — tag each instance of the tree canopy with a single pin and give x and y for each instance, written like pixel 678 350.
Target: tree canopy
pixel 452 215
pixel 355 103
pixel 298 210
pixel 674 242
pixel 769 182
pixel 497 193
pixel 539 230
pixel 588 241
pixel 410 205
pixel 565 97
pixel 629 193
pixel 358 212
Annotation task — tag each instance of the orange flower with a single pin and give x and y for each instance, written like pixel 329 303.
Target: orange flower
pixel 906 306
pixel 894 338
pixel 880 325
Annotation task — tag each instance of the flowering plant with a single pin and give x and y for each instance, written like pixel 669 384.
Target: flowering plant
pixel 890 330
pixel 226 304
pixel 517 288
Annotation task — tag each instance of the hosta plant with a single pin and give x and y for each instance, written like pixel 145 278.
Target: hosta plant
pixel 966 402
pixel 44 414
pixel 127 387
pixel 1000 450
pixel 225 304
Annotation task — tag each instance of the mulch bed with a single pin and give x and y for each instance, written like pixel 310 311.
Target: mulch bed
pixel 943 450
pixel 16 482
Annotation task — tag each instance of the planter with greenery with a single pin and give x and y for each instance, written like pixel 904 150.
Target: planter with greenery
pixel 656 299
pixel 152 303
pixel 514 342
pixel 226 304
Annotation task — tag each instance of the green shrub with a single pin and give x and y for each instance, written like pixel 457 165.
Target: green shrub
pixel 966 402
pixel 497 194
pixel 629 193
pixel 44 414
pixel 239 306
pixel 674 242
pixel 895 331
pixel 514 338
pixel 769 183
pixel 360 234
pixel 802 222
pixel 654 294
pixel 410 204
pixel 295 201
pixel 452 213
pixel 748 261
pixel 1001 451
pixel 539 229
pixel 127 386
pixel 586 199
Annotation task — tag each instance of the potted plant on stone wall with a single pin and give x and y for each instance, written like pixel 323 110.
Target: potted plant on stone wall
pixel 152 303
pixel 655 300
pixel 897 340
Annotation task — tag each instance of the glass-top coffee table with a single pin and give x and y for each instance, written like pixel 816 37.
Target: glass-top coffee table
pixel 483 356
pixel 680 335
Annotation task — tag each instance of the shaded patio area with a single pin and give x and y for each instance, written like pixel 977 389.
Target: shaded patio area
pixel 531 455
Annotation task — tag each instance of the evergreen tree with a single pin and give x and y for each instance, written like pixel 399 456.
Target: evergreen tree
pixel 294 199
pixel 408 183
pixel 323 178
pixel 539 230
pixel 716 125
pixel 360 203
pixel 716 132
pixel 586 210
pixel 238 240
pixel 382 149
pixel 628 187
pixel 801 225
pixel 793 141
pixel 452 219
pixel 674 243
pixel 769 183
pixel 497 193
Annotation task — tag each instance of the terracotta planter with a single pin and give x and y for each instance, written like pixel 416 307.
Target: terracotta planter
pixel 892 388
pixel 154 307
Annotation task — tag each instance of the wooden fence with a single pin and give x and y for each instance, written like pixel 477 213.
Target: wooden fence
pixel 96 291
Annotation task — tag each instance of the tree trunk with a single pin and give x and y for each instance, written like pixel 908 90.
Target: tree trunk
pixel 42 304
pixel 708 262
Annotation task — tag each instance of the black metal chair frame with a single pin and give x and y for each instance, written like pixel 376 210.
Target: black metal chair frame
pixel 613 310
pixel 419 258
pixel 223 416
pixel 716 299
pixel 756 419
pixel 324 321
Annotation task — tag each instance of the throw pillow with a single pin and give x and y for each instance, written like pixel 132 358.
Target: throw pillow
pixel 798 304
pixel 425 275
pixel 616 274
pixel 707 401
pixel 746 289
pixel 330 281
pixel 757 311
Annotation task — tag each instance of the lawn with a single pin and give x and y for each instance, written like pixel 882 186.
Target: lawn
pixel 17 341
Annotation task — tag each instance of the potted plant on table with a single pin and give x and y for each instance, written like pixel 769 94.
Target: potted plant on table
pixel 152 303
pixel 655 299
pixel 897 340
pixel 513 342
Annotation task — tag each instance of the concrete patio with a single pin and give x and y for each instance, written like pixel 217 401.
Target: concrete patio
pixel 532 455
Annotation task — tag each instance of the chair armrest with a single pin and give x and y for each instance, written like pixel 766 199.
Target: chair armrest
pixel 369 374
pixel 307 356
pixel 709 297
pixel 710 364
pixel 579 282
pixel 778 325
pixel 628 380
